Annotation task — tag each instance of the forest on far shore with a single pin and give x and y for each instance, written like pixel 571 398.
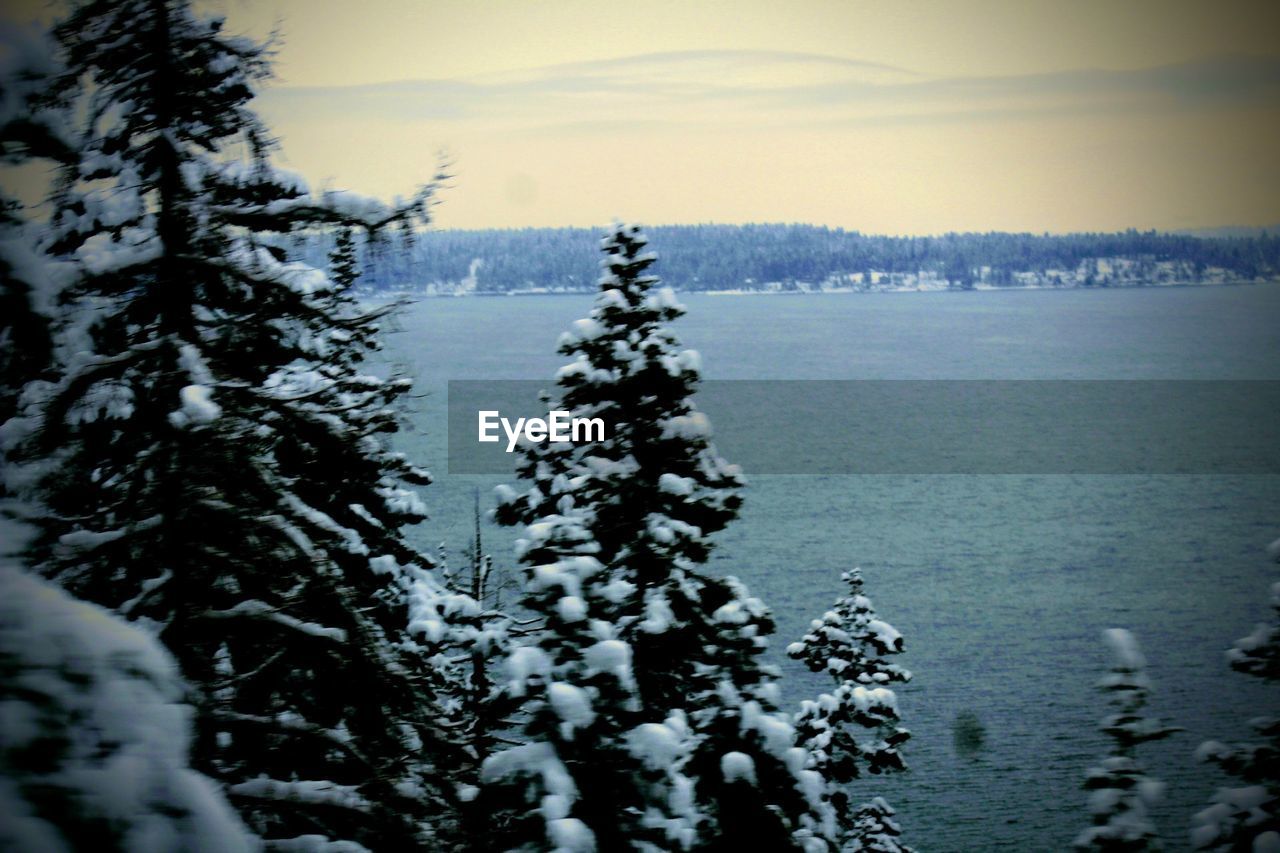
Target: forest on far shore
pixel 807 257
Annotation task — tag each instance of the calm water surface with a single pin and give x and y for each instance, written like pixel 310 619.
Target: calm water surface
pixel 1000 584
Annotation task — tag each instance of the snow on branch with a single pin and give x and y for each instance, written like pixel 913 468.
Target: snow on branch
pixel 254 609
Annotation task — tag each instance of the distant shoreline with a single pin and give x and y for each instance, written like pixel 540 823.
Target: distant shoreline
pixel 384 295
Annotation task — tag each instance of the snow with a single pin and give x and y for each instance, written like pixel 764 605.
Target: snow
pixel 884 634
pixel 620 354
pixel 431 610
pixel 571 703
pixel 356 206
pixel 736 766
pixel 608 656
pixel 260 609
pixel 315 844
pixel 102 253
pixel 554 575
pixel 617 590
pixel 108 399
pixel 314 791
pixel 571 835
pixel 403 502
pixel 555 807
pixel 88 539
pixel 384 565
pixel 110 207
pixel 540 761
pixel 110 694
pixel 773 728
pixel 733 613
pixel 689 427
pixel 1125 648
pixel 524 662
pixel 353 543
pixel 658 613
pixel 656 744
pixel 194 365
pixel 571 608
pixel 586 329
pixel 674 484
pixel 662 299
pixel 197 408
pixel 610 297
pixel 688 361
pixel 667 530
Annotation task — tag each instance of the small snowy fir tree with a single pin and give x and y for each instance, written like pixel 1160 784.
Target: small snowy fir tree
pixel 344 263
pixel 1248 817
pixel 851 643
pixel 1120 791
pixel 94 740
pixel 651 717
pixel 211 454
pixel 472 696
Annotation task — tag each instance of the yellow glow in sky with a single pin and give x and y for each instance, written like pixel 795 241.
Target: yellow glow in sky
pixel 888 117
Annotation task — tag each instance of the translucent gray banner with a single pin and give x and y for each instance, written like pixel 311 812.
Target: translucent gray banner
pixel 941 427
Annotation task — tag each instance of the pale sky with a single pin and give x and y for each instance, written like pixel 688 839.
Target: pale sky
pixel 887 117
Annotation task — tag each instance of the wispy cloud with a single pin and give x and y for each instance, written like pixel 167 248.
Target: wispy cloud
pixel 732 88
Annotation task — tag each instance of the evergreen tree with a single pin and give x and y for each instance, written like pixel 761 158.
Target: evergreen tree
pixel 31 128
pixel 213 457
pixel 93 751
pixel 651 718
pixel 344 263
pixel 478 638
pixel 1120 790
pixel 1248 817
pixel 850 643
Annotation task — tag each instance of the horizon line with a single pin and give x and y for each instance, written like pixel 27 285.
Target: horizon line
pixel 1270 229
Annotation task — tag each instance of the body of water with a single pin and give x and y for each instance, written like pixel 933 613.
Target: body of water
pixel 1001 584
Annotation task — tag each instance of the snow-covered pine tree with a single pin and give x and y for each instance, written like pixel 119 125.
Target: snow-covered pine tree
pixel 344 262
pixel 578 781
pixel 31 128
pixel 1120 790
pixel 478 639
pixel 485 637
pixel 652 718
pixel 213 457
pixel 93 750
pixel 1248 817
pixel 851 643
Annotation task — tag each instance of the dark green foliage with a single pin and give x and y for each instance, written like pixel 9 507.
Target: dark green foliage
pixel 1120 791
pixel 615 535
pixel 855 729
pixel 213 454
pixel 1247 817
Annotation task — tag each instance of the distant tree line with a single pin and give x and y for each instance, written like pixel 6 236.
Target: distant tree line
pixel 714 257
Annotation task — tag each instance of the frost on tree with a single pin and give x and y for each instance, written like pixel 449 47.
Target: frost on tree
pixel 1247 817
pixel 854 729
pixel 651 716
pixel 213 454
pixel 31 129
pixel 94 740
pixel 478 638
pixel 1120 791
